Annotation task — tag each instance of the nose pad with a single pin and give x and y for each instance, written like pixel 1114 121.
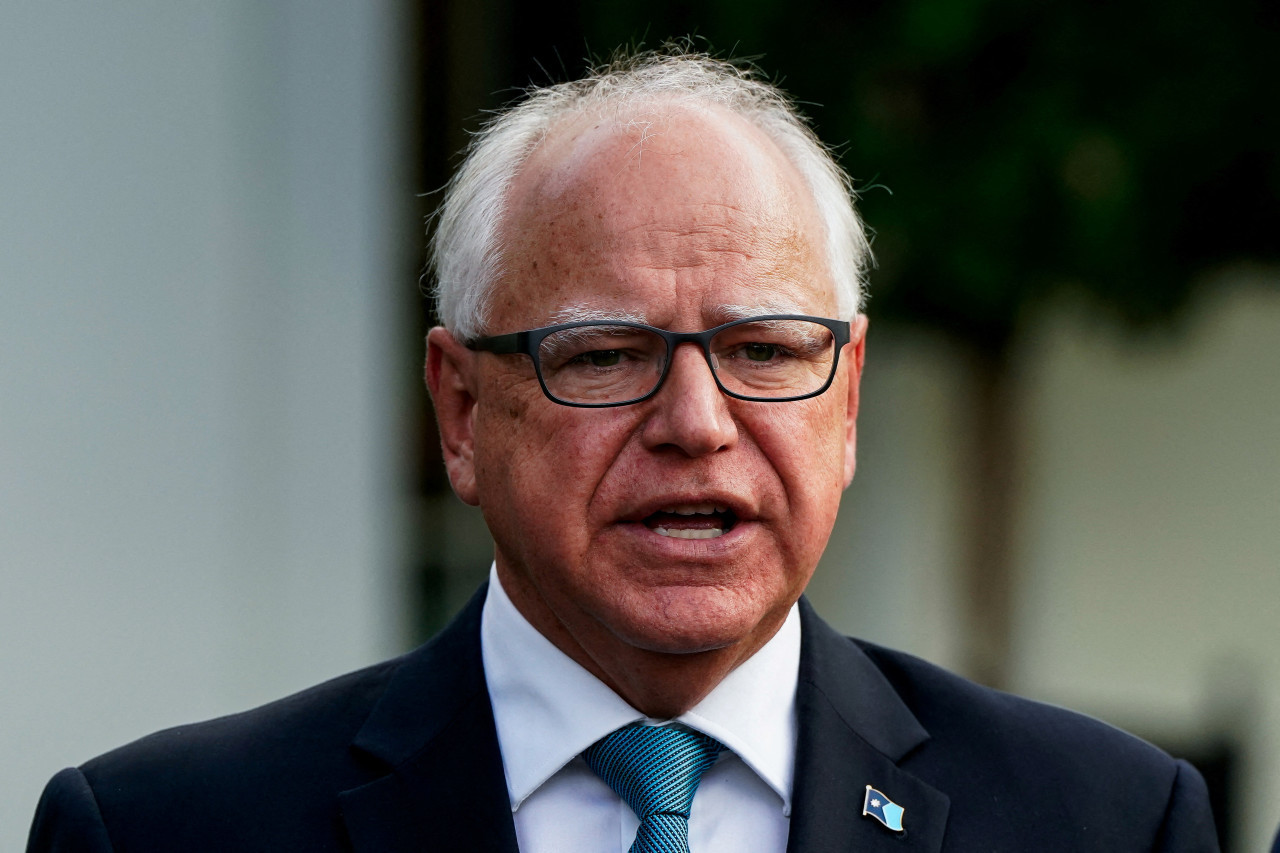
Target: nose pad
pixel 714 361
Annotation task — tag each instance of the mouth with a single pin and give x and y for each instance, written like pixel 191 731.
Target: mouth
pixel 691 521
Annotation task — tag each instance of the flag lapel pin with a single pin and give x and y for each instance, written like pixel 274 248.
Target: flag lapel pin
pixel 883 809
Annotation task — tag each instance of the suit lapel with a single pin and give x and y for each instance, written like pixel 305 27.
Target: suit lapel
pixel 854 731
pixel 442 785
pixel 432 733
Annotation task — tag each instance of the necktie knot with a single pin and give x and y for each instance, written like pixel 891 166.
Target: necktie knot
pixel 656 771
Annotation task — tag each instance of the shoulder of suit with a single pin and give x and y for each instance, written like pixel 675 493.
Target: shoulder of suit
pixel 304 744
pixel 214 784
pixel 255 779
pixel 330 712
pixel 967 718
pixel 309 726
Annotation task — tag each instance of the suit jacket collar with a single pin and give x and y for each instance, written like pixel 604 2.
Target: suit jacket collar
pixel 432 737
pixel 854 732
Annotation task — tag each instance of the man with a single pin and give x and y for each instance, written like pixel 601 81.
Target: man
pixel 647 379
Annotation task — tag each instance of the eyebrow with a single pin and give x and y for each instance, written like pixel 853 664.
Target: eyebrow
pixel 729 313
pixel 586 313
pixel 719 315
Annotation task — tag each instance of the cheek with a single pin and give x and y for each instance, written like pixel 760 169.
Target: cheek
pixel 507 439
pixel 539 464
pixel 805 447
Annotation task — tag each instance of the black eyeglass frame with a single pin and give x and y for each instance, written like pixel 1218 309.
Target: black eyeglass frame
pixel 527 343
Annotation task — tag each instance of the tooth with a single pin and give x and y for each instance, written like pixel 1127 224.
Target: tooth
pixel 704 533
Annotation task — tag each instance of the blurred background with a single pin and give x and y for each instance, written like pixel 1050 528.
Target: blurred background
pixel 219 477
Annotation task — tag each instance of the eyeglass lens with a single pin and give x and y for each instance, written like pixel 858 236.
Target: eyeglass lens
pixel 766 359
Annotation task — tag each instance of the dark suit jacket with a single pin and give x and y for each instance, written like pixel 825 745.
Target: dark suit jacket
pixel 403 757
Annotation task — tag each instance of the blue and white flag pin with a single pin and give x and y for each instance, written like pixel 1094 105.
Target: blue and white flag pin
pixel 883 809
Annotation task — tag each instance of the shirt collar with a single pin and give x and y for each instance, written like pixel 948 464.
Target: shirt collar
pixel 548 709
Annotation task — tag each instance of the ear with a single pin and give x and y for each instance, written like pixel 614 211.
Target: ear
pixel 451 377
pixel 857 353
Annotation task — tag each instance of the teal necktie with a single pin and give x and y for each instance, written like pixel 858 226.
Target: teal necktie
pixel 656 771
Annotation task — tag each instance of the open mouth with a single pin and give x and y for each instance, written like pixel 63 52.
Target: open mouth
pixel 691 521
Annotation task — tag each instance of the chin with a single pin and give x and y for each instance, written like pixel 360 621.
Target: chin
pixel 689 620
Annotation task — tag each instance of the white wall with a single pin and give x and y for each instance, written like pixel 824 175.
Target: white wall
pixel 197 489
pixel 1152 531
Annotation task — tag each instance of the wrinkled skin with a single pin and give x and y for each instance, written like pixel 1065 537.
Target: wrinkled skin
pixel 669 217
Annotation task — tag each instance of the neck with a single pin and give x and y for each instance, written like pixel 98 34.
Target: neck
pixel 661 685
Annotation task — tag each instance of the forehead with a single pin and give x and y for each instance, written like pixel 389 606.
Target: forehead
pixel 664 213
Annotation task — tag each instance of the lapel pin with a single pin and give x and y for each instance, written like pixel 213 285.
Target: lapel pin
pixel 883 809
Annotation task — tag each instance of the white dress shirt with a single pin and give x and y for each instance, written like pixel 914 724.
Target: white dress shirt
pixel 548 709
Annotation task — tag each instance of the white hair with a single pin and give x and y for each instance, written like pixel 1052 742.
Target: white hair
pixel 465 255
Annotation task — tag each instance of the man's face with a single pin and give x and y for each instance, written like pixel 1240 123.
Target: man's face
pixel 683 221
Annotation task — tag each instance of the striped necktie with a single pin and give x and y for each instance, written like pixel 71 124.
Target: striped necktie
pixel 656 771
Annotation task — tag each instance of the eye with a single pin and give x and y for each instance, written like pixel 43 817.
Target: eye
pixel 601 358
pixel 760 352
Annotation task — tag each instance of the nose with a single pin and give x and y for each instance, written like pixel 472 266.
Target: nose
pixel 689 411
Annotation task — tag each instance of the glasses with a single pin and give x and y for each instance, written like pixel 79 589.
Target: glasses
pixel 775 358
